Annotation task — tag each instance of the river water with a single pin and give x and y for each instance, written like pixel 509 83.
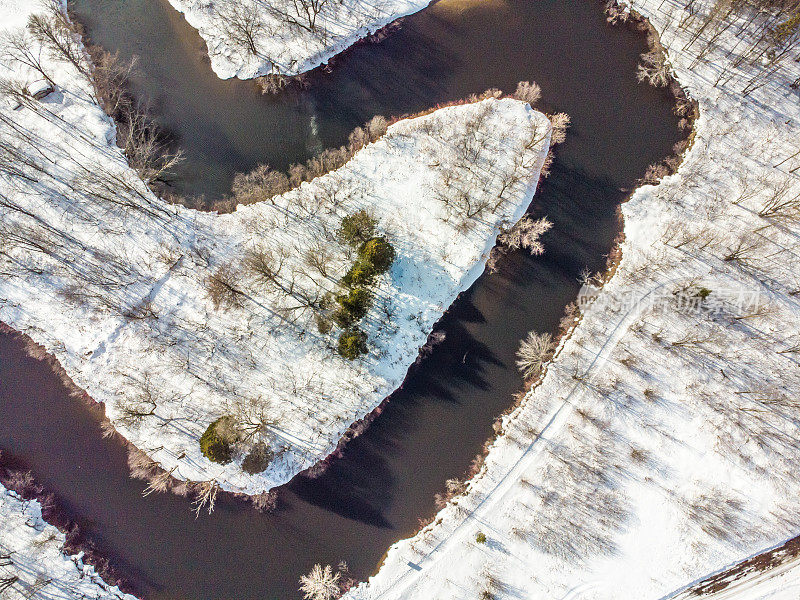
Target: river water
pixel 386 480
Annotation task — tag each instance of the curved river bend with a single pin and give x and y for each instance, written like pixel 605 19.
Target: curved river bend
pixel 386 480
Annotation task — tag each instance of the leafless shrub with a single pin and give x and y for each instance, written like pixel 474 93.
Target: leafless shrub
pixel 560 123
pixel 321 583
pixel 265 502
pixel 453 488
pixel 526 233
pixel 529 92
pixel 357 139
pixel 262 183
pixel 376 127
pixel 159 482
pixel 547 164
pixel 23 483
pixel 206 496
pixel 616 13
pixel 571 316
pixel 141 465
pixel 533 352
pixel 654 69
pixel 143 144
pixel 273 83
pixel 655 173
pixel 107 429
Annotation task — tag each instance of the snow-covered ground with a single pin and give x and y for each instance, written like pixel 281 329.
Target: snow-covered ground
pixel 32 563
pixel 771 575
pixel 662 444
pixel 781 583
pixel 249 38
pixel 115 282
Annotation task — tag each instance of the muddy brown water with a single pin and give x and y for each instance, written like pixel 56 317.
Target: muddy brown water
pixel 375 494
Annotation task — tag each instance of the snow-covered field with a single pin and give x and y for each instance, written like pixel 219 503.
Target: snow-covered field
pixel 662 444
pixel 115 282
pixel 249 38
pixel 32 564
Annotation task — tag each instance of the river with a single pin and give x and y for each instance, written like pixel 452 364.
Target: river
pixel 375 494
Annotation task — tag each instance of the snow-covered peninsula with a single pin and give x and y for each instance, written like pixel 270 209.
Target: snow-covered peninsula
pixel 186 323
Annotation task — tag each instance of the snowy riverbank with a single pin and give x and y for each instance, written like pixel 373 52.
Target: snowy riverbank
pixel 661 445
pixel 250 38
pixel 32 562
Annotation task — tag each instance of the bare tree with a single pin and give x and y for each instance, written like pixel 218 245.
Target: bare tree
pixel 529 92
pixel 132 411
pixel 7 581
pixel 319 258
pixel 55 32
pixel 17 46
pixel 783 201
pixel 744 249
pixel 533 352
pixel 242 24
pixel 223 289
pixel 206 497
pixel 307 12
pixel 271 270
pixel 654 69
pixel 252 416
pixel 321 583
pixel 262 183
pixel 526 233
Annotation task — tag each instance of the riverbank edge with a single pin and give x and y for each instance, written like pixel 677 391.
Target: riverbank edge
pixel 322 60
pixel 54 512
